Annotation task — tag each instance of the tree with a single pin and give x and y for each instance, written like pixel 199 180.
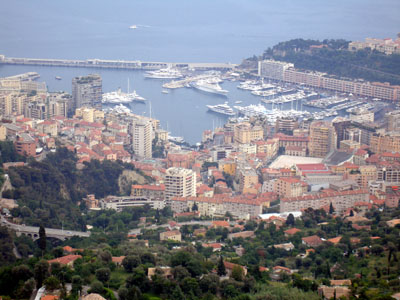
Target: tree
pixel 237 273
pixel 130 262
pixel 76 284
pixel 52 283
pixel 290 220
pixel 96 287
pixel 221 271
pixel 195 207
pixel 42 239
pixel 103 274
pixel 177 293
pixel 41 272
pixel 331 209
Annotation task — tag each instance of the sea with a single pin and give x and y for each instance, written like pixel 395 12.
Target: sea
pixel 176 31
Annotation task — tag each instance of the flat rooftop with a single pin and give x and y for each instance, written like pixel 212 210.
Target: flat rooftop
pixel 287 161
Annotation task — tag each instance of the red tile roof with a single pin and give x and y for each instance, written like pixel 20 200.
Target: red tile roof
pixel 64 260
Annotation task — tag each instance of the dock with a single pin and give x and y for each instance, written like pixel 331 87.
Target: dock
pixel 113 64
pixel 175 84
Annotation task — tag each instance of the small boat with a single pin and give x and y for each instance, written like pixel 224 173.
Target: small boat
pixel 165 91
pixel 133 27
pixel 238 102
pixel 58 78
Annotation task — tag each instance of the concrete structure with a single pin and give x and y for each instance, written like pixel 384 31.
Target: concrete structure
pixel 244 133
pixel 87 91
pixel 113 64
pixel 244 206
pixel 287 187
pixel 174 235
pixel 340 200
pixel 387 45
pixel 25 145
pixel 142 138
pixel 285 72
pixel 322 139
pixel 392 120
pixel 179 182
pixel 118 203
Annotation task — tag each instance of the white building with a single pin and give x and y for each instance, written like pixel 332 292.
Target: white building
pixel 179 182
pixel 142 138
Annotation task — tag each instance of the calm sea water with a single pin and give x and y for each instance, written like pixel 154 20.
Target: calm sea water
pixel 176 30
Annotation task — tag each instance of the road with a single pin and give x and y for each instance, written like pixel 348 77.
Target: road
pixel 50 232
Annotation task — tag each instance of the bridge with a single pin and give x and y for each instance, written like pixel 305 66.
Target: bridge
pixel 113 64
pixel 33 232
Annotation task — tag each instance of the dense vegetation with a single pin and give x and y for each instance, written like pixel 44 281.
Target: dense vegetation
pixel 49 192
pixel 371 264
pixel 334 58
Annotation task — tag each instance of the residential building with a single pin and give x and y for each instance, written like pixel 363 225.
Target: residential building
pixel 25 145
pixel 285 72
pixel 142 138
pixel 287 187
pixel 179 182
pixel 244 133
pixel 322 139
pixel 243 206
pixel 174 235
pixel 341 200
pixel 87 91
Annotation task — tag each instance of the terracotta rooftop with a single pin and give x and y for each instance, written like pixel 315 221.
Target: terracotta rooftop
pixel 64 260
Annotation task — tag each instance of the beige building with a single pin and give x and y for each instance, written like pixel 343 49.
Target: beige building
pixel 385 143
pixel 217 206
pixel 290 187
pixel 179 182
pixel 341 201
pixel 322 139
pixel 248 180
pixel 142 138
pixel 3 133
pixel 392 120
pixel 244 133
pixel 285 72
pixel 87 91
pixel 364 175
pixel 174 235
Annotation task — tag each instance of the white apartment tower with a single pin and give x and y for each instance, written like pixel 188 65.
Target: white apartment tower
pixel 142 138
pixel 179 182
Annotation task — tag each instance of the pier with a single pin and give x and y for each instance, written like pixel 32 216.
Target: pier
pixel 113 64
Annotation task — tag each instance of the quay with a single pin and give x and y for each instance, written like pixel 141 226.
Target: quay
pixel 175 84
pixel 113 64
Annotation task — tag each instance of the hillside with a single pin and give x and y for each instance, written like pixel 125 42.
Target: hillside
pixel 332 57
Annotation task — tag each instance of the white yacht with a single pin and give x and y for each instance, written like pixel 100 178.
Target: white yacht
pixel 167 73
pixel 224 109
pixel 121 97
pixel 209 87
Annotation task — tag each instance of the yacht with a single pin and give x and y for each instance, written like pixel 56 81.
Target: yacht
pixel 58 78
pixel 167 73
pixel 133 27
pixel 224 109
pixel 121 97
pixel 165 91
pixel 209 87
pixel 119 109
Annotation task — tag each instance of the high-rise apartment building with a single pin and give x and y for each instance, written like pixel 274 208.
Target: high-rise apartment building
pixel 87 91
pixel 142 138
pixel 179 182
pixel 322 139
pixel 392 120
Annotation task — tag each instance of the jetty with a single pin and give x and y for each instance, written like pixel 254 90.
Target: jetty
pixel 113 64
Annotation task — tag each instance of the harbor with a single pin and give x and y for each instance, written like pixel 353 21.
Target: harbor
pixel 186 111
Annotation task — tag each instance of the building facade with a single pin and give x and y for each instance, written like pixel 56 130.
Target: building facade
pixel 179 182
pixel 87 91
